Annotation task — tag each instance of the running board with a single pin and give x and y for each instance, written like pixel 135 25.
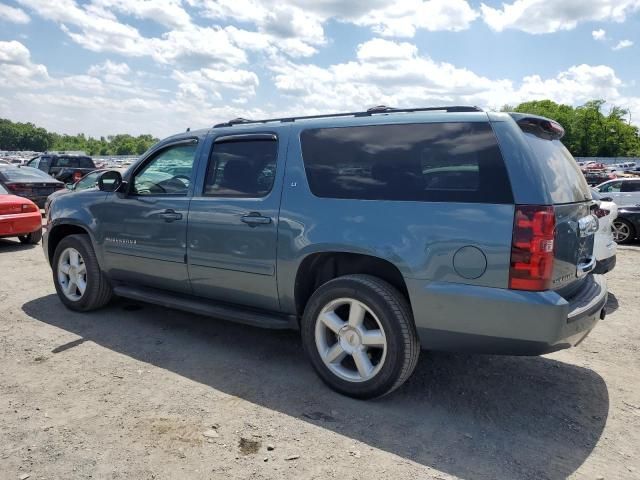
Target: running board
pixel 256 318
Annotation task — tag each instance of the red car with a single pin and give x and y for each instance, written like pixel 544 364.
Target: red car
pixel 19 217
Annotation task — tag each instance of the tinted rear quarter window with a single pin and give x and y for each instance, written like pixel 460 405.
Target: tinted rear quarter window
pixel 453 162
pixel 562 174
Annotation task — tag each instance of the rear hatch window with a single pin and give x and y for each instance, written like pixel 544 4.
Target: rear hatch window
pixel 560 170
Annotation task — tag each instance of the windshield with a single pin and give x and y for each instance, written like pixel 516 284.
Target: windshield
pixel 2 190
pixel 25 174
pixel 565 180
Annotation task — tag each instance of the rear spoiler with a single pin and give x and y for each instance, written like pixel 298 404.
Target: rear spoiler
pixel 540 126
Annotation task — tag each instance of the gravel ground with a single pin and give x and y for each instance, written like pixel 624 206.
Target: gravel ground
pixel 140 392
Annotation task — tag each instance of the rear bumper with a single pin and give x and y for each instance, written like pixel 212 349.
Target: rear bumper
pixel 19 224
pixel 468 318
pixel 605 265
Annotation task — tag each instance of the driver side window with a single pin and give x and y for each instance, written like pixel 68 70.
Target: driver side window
pixel 168 173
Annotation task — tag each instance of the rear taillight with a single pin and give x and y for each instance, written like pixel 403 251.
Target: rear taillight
pixel 17 188
pixel 601 212
pixel 29 207
pixel 77 176
pixel 532 248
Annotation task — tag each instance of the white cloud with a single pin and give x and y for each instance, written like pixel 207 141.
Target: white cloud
pixel 233 83
pixel 394 74
pixel 96 28
pixel 13 15
pixel 165 12
pixel 17 69
pixel 109 68
pixel 623 44
pixel 304 19
pixel 599 35
pixel 544 16
pixel 575 85
pixel 403 18
pixel 380 50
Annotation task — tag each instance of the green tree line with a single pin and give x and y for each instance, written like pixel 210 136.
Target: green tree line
pixel 590 131
pixel 27 136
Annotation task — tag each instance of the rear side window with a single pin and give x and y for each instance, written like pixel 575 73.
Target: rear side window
pixel 562 173
pixel 431 162
pixel 241 168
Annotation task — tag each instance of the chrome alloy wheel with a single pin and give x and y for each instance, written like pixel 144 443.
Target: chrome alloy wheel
pixel 350 340
pixel 72 274
pixel 621 231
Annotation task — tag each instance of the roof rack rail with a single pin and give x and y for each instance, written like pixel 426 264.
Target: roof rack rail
pixel 371 111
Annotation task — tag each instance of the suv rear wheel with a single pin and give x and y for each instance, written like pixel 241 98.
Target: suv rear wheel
pixel 80 283
pixel 359 333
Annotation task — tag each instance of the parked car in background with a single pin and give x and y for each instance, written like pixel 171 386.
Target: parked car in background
pixel 604 245
pixel 19 217
pixel 622 191
pixel 375 233
pixel 90 180
pixel 63 167
pixel 626 228
pixel 29 183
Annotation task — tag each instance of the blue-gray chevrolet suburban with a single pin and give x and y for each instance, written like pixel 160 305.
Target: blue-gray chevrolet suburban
pixel 375 233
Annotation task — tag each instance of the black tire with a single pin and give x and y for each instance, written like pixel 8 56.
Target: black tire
pixel 31 238
pixel 395 317
pixel 98 291
pixel 632 231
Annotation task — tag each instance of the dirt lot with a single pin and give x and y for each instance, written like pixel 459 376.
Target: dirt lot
pixel 139 392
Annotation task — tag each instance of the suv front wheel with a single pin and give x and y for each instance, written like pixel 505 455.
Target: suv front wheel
pixel 359 333
pixel 80 283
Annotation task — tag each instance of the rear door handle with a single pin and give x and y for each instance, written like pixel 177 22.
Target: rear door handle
pixel 255 218
pixel 170 215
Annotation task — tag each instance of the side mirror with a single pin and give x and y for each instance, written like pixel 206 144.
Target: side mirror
pixel 606 199
pixel 110 181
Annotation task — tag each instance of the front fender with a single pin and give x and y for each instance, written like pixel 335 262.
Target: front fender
pixel 71 213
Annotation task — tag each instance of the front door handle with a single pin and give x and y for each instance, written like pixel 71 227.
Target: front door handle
pixel 255 218
pixel 170 215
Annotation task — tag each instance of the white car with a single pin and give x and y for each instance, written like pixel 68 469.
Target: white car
pixel 604 245
pixel 623 191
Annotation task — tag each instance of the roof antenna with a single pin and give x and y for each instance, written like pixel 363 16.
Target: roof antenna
pixel 188 129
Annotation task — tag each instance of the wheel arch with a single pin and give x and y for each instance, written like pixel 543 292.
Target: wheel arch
pixel 59 231
pixel 317 268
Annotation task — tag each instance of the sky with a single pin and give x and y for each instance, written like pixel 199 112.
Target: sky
pixel 102 67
